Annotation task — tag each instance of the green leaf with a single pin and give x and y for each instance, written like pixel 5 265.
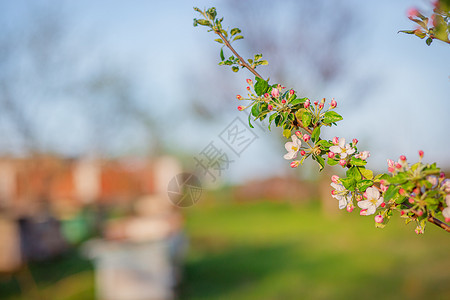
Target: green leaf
pixel 278 120
pixel 320 161
pixel 222 57
pixel 331 117
pixel 315 134
pixel 357 161
pixel 381 177
pixel 391 192
pixel 235 68
pixel 261 86
pixel 306 118
pixel 219 41
pixel 238 37
pixel 363 185
pixel 256 110
pixel 263 62
pixel 353 172
pixel 235 31
pixel 249 122
pixel 287 133
pixel 203 22
pixel 348 183
pixel 324 144
pixel 366 173
pixel 398 179
pixel 332 162
pixel 429 41
pixel 297 101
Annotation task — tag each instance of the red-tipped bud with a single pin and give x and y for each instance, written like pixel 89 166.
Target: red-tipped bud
pixel 383 182
pixel 291 92
pixel 307 103
pixel 283 101
pixel 266 95
pixel 240 107
pixel 248 88
pixel 416 191
pixel 295 164
pixel 420 213
pixel 402 158
pixel 249 81
pixel 442 175
pixel 398 166
pixel 239 97
pixel 379 219
pixel 383 204
pixel 316 102
pixel 331 154
pixel 298 134
pixel 421 153
pixel 302 153
pixel 270 107
pixel 343 162
pixel 411 200
pixel 350 208
pixel 401 191
pixel 355 141
pixel 333 103
pixel 402 213
pixel 321 105
pixel 335 178
pixel 306 137
pixel 363 212
pixel 333 192
pixel 447 220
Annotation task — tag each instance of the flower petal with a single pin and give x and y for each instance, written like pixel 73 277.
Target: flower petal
pixel 365 204
pixel 335 149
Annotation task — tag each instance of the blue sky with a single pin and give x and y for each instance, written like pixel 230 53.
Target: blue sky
pixel 170 61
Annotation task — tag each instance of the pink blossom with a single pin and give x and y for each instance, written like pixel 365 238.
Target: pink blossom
pixel 363 212
pixel 363 155
pixel 391 165
pixel 292 148
pixel 275 93
pixel 350 207
pixel 335 140
pixel 373 200
pixel 342 149
pixel 335 178
pixel 379 218
pixel 383 188
pixel 413 12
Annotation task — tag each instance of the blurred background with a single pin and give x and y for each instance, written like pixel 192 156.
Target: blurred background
pixel 102 103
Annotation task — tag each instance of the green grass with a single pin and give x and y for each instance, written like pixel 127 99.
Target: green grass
pixel 280 251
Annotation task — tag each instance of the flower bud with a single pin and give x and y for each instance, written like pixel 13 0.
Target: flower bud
pixel 298 134
pixel 421 153
pixel 412 12
pixel 363 212
pixel 355 141
pixel 379 218
pixel 283 101
pixel 302 153
pixel 331 154
pixel 350 207
pixel 383 182
pixel 402 158
pixel 442 175
pixel 307 103
pixel 383 188
pixel 266 95
pixel 248 88
pixel 447 220
pixel 336 140
pixel 321 105
pixel 291 92
pixel 306 137
pixel 295 164
pixel 418 230
pixel 240 107
pixel 359 198
pixel 333 192
pixel 335 178
pixel 411 200
pixel 343 162
pixel 275 93
pixel 239 97
pixel 402 213
pixel 383 205
pixel 401 191
pixel 270 107
pixel 249 81
pixel 333 103
pixel 420 213
pixel 398 166
pixel 316 102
